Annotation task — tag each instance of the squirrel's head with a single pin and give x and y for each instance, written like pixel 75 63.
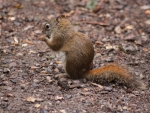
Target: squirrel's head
pixel 58 24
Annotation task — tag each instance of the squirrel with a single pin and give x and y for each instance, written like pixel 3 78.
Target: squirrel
pixel 60 36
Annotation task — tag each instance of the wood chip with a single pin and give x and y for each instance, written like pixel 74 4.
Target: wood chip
pixel 98 85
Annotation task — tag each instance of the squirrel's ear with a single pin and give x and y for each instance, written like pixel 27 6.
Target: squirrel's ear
pixel 60 17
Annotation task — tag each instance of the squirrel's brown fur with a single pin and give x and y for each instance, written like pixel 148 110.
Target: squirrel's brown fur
pixel 79 54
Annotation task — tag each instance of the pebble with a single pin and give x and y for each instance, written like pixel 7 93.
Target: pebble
pixel 6 70
pixel 108 88
pixel 109 59
pixel 145 7
pixel 130 37
pixel 130 49
pixel 147 22
pixel 69 96
pixel 118 30
pixel 12 64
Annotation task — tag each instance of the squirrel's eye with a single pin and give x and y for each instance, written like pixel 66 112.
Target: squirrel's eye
pixel 47 26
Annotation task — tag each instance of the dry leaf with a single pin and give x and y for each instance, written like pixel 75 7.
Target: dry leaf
pixel 31 51
pixel 28 42
pixel 23 45
pixel 70 13
pixel 37 105
pixel 31 99
pixel 129 27
pixel 16 42
pixel 33 67
pixel 58 98
pixel 58 62
pixel 147 11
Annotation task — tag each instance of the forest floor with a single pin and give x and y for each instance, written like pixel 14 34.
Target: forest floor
pixel 120 32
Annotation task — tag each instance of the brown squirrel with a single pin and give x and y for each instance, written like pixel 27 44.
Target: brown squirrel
pixel 79 54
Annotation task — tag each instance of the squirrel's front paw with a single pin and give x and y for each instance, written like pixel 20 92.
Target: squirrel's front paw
pixel 61 75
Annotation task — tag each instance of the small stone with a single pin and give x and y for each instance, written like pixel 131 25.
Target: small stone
pixel 145 7
pixel 125 107
pixel 68 96
pixel 141 76
pixel 136 93
pixel 23 86
pixel 6 70
pixel 36 81
pixel 11 12
pixel 9 88
pixel 109 59
pixel 108 88
pixel 12 64
pixel 118 30
pixel 5 99
pixel 45 111
pixel 10 95
pixel 130 37
pixel 56 70
pixel 147 22
pixel 130 49
pixel 39 99
pixel 75 81
pixel 1 70
pixel 49 79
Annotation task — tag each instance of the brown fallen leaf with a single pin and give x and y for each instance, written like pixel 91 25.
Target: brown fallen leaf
pixel 28 42
pixel 129 27
pixel 31 99
pixel 37 105
pixel 69 14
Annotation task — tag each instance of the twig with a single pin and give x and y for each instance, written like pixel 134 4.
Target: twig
pixel 97 23
pixel 98 85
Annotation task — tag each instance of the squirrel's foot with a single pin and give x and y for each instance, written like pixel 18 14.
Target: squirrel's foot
pixel 61 75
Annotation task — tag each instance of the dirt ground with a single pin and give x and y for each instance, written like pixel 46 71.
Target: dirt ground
pixel 120 32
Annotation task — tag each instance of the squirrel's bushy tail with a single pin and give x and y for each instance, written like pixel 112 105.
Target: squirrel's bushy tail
pixel 113 72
